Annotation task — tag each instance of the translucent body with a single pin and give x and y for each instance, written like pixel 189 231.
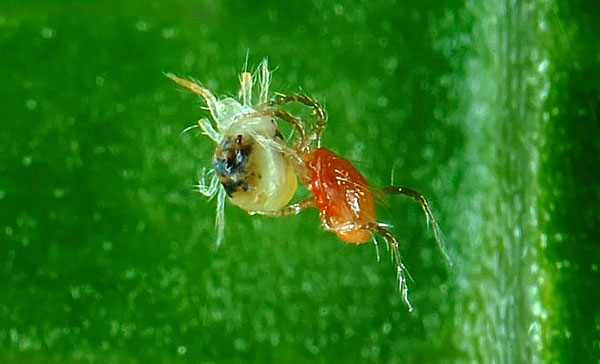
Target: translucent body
pixel 255 176
pixel 342 196
pixel 265 178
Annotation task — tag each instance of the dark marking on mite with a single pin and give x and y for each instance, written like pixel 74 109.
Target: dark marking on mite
pixel 230 163
pixel 234 186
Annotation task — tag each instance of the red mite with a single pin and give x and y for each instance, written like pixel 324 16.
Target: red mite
pixel 342 196
pixel 339 190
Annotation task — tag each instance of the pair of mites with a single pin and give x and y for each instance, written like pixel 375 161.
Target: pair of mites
pixel 257 168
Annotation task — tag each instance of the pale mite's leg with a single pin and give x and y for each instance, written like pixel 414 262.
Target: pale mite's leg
pixel 317 111
pixel 401 271
pixel 264 80
pixel 293 209
pixel 211 190
pixel 208 130
pixel 220 217
pixel 207 96
pixel 208 190
pixel 246 88
pixel 431 220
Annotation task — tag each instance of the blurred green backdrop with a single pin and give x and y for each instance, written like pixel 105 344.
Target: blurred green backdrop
pixel 490 108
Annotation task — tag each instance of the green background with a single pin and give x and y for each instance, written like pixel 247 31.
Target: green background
pixel 490 108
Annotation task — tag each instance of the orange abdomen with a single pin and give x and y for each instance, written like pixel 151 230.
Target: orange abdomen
pixel 342 196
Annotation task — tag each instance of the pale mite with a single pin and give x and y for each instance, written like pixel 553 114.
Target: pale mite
pixel 255 176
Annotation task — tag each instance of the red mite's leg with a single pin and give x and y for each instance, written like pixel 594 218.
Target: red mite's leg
pixel 416 195
pixel 317 110
pixel 295 153
pixel 293 209
pixel 402 273
pixel 284 115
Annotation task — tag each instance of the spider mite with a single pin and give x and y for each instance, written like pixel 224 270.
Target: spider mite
pixel 252 175
pixel 339 190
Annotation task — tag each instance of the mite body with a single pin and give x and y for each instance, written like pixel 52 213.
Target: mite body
pixel 342 196
pixel 253 175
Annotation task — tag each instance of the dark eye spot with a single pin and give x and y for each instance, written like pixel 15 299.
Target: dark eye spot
pixel 238 139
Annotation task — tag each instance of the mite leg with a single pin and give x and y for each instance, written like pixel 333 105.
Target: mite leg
pixel 293 209
pixel 401 271
pixel 208 189
pixel 207 96
pixel 431 220
pixel 283 115
pixel 246 88
pixel 292 154
pixel 207 129
pixel 289 118
pixel 264 79
pixel 220 217
pixel 211 190
pixel 317 111
pixel 295 153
